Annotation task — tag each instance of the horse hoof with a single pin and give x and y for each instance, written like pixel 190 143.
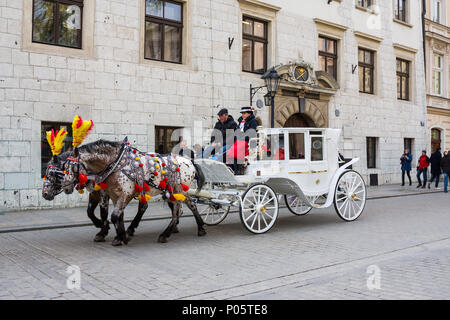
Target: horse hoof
pixel 116 242
pixel 175 230
pixel 201 232
pixel 99 238
pixel 162 239
pixel 130 232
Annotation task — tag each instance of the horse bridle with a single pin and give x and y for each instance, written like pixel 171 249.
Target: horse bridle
pixel 53 176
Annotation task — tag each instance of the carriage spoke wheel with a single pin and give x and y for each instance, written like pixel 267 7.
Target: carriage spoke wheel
pixel 213 213
pixel 259 208
pixel 296 205
pixel 350 196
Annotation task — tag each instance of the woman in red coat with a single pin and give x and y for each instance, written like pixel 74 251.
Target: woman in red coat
pixel 422 167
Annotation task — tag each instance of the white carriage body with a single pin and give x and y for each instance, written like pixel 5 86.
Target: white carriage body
pixel 301 164
pixel 310 158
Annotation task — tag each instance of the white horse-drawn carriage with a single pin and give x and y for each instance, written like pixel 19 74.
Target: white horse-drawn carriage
pixel 302 165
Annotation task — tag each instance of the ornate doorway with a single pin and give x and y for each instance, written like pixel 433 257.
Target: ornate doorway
pixel 435 139
pixel 299 120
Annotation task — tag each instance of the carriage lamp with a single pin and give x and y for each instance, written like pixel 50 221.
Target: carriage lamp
pixel 267 99
pixel 272 80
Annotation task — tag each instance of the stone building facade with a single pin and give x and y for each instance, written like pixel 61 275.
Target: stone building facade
pixel 108 78
pixel 437 50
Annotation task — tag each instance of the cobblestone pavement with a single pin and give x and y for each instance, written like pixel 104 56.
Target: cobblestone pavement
pixel 317 256
pixel 62 218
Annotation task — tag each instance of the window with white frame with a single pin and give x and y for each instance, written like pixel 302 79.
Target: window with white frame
pixel 437 11
pixel 437 74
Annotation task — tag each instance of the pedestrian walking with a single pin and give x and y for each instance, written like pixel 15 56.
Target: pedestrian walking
pixel 405 161
pixel 435 161
pixel 422 167
pixel 445 165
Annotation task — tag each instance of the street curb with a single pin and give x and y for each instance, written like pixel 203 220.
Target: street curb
pixel 87 224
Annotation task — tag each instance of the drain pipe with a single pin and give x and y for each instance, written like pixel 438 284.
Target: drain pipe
pixel 424 11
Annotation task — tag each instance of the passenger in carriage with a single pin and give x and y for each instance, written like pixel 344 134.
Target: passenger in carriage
pixel 247 130
pixel 185 151
pixel 279 155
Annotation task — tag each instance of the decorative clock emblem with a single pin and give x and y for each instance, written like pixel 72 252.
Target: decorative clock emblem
pixel 301 74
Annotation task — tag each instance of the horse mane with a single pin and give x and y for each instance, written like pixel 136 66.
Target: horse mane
pixel 95 147
pixel 63 156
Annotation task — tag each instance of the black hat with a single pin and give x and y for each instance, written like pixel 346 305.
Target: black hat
pixel 222 112
pixel 246 109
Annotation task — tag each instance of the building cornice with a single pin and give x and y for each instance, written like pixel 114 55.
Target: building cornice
pixel 438 111
pixel 404 48
pixel 436 24
pixel 260 4
pixel 438 36
pixel 330 24
pixel 367 36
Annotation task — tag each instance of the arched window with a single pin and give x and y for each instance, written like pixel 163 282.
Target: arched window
pixel 435 139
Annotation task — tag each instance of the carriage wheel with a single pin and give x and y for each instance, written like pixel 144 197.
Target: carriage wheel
pixel 259 208
pixel 350 196
pixel 213 213
pixel 296 206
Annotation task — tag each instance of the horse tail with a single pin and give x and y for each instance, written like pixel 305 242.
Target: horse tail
pixel 199 176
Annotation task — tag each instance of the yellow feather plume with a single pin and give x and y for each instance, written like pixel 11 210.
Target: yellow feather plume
pixel 80 130
pixel 56 140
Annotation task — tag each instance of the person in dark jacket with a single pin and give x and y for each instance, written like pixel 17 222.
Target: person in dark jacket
pixel 435 161
pixel 219 137
pixel 247 120
pixel 445 165
pixel 405 161
pixel 422 167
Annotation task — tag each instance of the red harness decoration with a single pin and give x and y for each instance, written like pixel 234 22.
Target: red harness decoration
pixel 82 178
pixel 138 188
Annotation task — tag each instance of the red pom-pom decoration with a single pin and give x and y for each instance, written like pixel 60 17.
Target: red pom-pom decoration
pixel 155 173
pixel 172 198
pixel 82 178
pixel 146 187
pixel 138 188
pixel 163 164
pixel 178 169
pixel 141 165
pixel 134 151
pixel 170 189
pixel 103 185
pixel 163 185
pixel 184 187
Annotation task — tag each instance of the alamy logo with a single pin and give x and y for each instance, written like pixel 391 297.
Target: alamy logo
pixel 374 21
pixel 374 280
pixel 74 279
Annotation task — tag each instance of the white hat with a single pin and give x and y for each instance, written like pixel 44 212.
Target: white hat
pixel 246 109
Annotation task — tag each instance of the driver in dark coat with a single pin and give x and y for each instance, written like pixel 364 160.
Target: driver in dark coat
pixel 224 124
